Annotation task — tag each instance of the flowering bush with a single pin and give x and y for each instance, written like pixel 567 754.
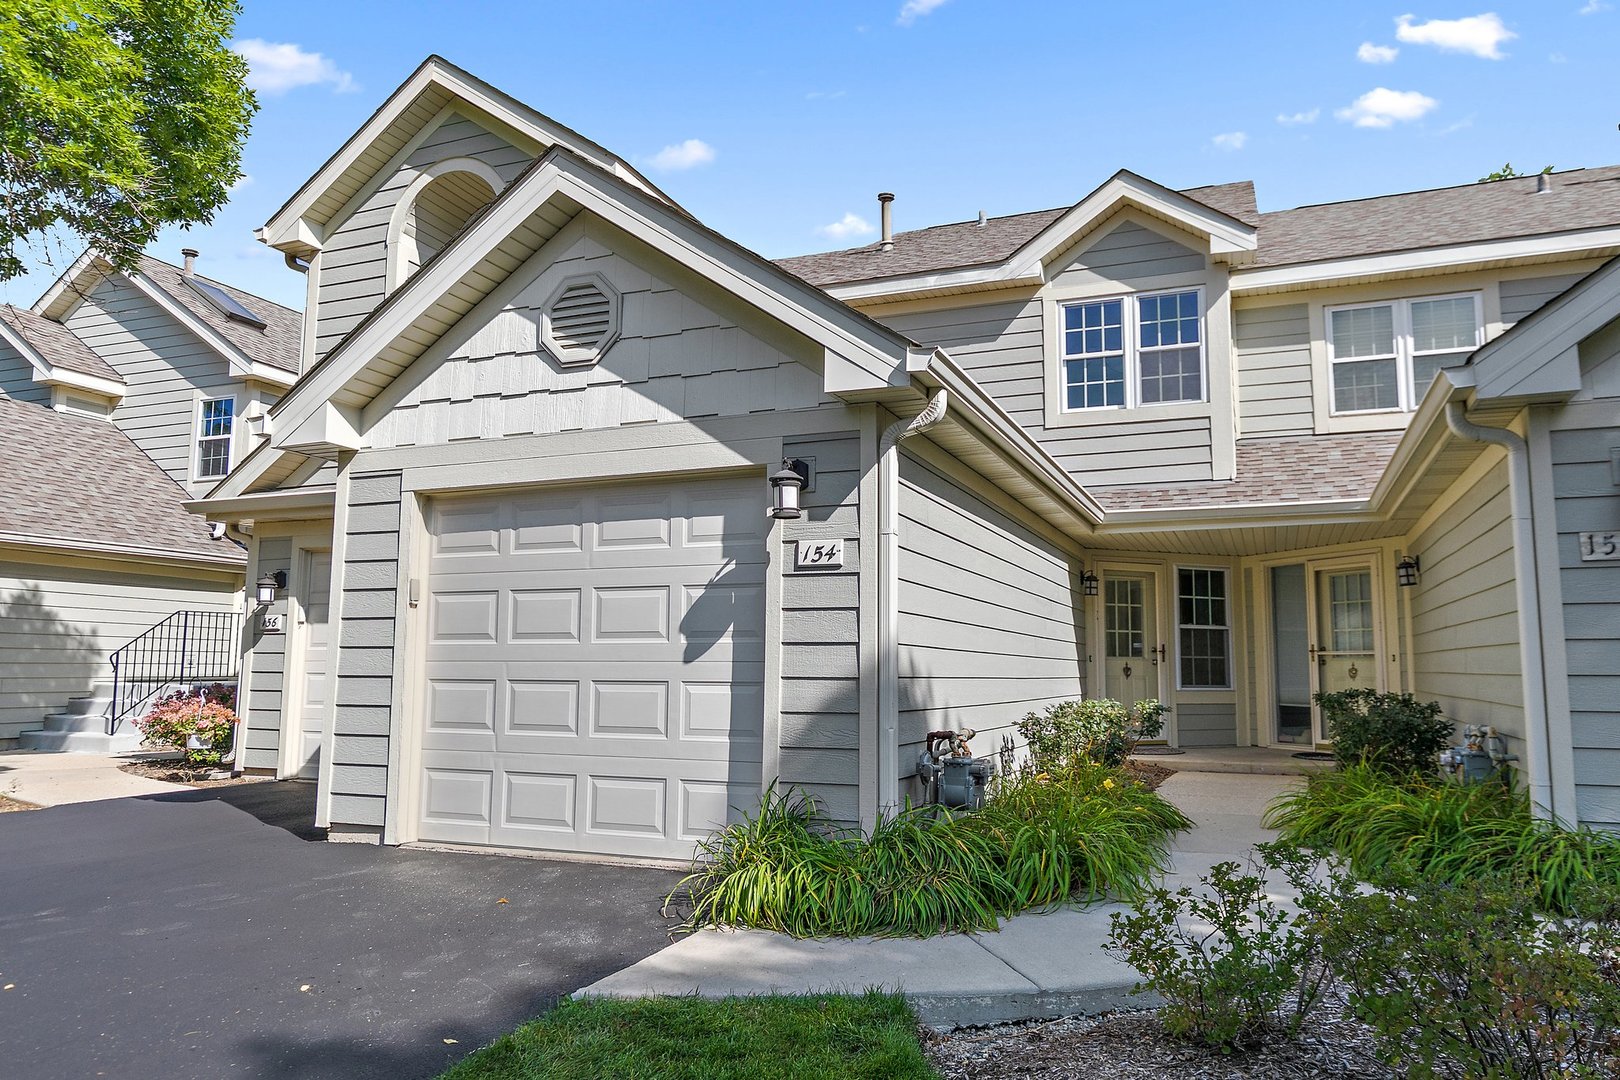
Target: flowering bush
pixel 176 718
pixel 1096 731
pixel 219 693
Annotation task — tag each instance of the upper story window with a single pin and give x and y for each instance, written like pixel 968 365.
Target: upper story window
pixel 215 423
pixel 1128 351
pixel 1382 357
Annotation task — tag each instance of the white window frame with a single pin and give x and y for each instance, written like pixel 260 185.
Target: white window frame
pixel 198 438
pixel 1130 333
pixel 1227 628
pixel 1407 396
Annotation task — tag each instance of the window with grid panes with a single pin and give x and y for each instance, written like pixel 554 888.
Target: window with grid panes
pixel 1203 630
pixel 1123 352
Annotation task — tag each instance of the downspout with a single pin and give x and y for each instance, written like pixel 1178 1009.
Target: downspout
pixel 888 614
pixel 1537 732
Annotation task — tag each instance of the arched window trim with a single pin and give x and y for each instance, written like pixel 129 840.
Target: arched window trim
pixel 402 209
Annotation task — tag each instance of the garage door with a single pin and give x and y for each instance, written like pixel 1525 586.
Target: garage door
pixel 595 666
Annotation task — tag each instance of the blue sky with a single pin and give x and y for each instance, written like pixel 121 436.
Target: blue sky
pixel 777 123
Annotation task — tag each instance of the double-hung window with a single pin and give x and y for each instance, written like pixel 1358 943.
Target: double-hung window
pixel 1382 357
pixel 1123 352
pixel 1203 630
pixel 215 422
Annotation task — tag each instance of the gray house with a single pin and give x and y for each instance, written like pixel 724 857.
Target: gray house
pixel 1156 444
pixel 121 396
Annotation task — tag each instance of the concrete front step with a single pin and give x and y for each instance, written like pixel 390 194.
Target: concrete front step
pixel 94 705
pixel 75 721
pixel 127 741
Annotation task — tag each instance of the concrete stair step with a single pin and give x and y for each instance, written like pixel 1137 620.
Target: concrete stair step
pixel 128 740
pixel 76 721
pixel 93 705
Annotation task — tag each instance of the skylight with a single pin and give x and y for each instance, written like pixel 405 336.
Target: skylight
pixel 227 304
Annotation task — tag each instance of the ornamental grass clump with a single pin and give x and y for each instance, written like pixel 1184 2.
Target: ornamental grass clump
pixel 1039 840
pixel 1386 826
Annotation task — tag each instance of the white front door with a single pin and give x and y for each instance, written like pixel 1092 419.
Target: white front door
pixel 314 667
pixel 1344 634
pixel 1132 649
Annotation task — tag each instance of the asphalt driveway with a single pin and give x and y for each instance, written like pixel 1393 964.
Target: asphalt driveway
pixel 209 934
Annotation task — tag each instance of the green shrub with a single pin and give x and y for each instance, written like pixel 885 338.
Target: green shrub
pixel 174 720
pixel 1395 732
pixel 1386 826
pixel 1467 981
pixel 1231 964
pixel 1037 841
pixel 1096 731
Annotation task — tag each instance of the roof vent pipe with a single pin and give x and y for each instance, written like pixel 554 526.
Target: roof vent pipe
pixel 885 199
pixel 983 217
pixel 190 256
pixel 1543 183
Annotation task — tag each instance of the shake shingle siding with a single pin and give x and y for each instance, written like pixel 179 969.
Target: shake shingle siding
pixel 354 262
pixel 990 625
pixel 365 655
pixel 1588 499
pixel 1273 353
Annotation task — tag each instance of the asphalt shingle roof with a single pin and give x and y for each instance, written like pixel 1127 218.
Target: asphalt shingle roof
pixel 70 479
pixel 1286 469
pixel 1467 213
pixel 276 345
pixel 59 346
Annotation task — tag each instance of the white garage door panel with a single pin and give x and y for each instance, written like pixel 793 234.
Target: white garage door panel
pixel 595 661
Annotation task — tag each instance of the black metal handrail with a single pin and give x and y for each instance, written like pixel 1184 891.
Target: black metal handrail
pixel 187 648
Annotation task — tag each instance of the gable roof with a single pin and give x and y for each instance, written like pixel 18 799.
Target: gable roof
pixel 1579 200
pixel 1539 356
pixel 276 345
pixel 432 87
pixel 967 243
pixel 55 344
pixel 77 482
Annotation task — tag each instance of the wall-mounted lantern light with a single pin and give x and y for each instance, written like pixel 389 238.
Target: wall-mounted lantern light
pixel 1406 571
pixel 265 588
pixel 786 484
pixel 1089 580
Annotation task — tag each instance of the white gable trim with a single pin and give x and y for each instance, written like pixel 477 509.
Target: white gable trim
pixel 52 375
pixel 288 227
pixel 1540 356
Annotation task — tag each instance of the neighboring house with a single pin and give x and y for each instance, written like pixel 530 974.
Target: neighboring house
pixel 1157 444
pixel 121 395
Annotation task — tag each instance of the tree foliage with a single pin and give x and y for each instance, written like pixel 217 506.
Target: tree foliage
pixel 117 118
pixel 1508 172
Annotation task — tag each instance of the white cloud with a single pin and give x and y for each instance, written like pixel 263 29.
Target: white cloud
pixel 912 10
pixel 1376 54
pixel 1382 108
pixel 1480 35
pixel 683 155
pixel 1557 58
pixel 275 68
pixel 1593 7
pixel 825 95
pixel 241 182
pixel 1294 119
pixel 1230 140
pixel 847 227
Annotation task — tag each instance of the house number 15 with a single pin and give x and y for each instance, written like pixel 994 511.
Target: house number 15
pixel 1600 547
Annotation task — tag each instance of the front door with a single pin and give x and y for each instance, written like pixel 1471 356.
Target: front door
pixel 1131 646
pixel 314 668
pixel 1343 645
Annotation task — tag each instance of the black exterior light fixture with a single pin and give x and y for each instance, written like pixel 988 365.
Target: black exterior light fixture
pixel 1406 571
pixel 265 588
pixel 1089 581
pixel 786 483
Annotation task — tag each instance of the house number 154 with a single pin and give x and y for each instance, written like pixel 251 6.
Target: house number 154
pixel 819 555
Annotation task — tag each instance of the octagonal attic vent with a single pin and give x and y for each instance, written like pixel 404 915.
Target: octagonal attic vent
pixel 581 320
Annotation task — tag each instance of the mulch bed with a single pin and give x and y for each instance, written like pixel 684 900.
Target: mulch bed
pixel 178 772
pixel 1133 1046
pixel 1147 773
pixel 8 805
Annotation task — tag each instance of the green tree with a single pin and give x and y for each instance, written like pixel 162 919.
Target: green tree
pixel 1507 172
pixel 117 118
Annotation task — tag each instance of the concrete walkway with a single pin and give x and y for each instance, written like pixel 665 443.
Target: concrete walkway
pixel 1036 965
pixel 46 779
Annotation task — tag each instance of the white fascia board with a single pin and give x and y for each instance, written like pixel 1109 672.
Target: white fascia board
pixel 264 373
pixel 43 371
pixel 50 374
pixel 65 289
pixel 1008 437
pixel 238 360
pixel 1188 518
pixel 325 431
pixel 1456 257
pixel 1227 235
pixel 799 306
pixel 265 504
pixel 247 472
pixel 1549 338
pixel 993 276
pixel 131 552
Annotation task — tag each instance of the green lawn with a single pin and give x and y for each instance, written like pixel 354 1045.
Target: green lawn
pixel 759 1038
